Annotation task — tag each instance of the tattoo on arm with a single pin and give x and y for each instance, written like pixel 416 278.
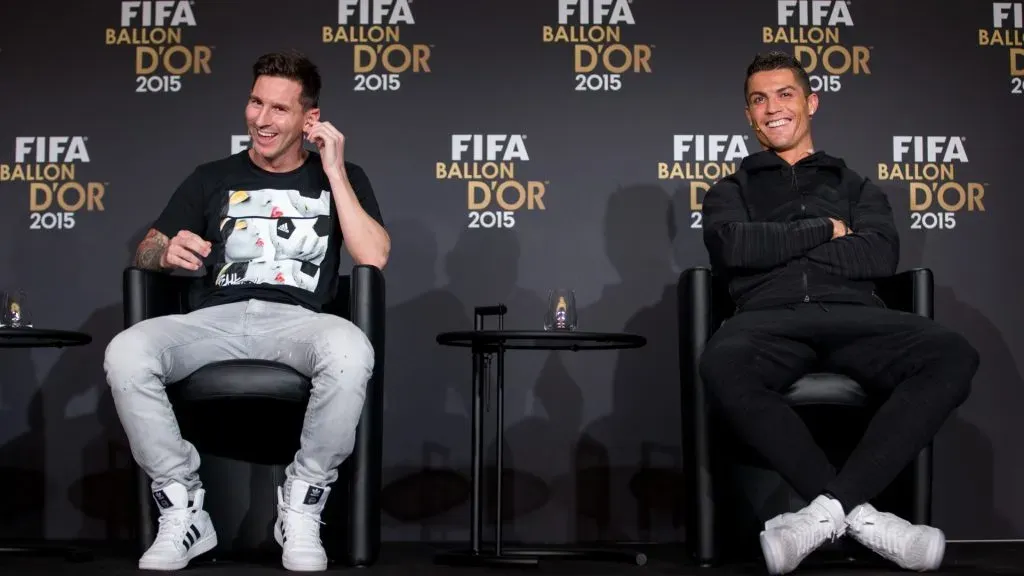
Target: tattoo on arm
pixel 150 250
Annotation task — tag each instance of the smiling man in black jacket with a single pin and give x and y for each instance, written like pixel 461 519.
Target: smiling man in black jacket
pixel 800 238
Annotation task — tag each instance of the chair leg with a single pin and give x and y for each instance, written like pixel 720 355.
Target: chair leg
pixel 144 500
pixel 703 546
pixel 706 544
pixel 922 489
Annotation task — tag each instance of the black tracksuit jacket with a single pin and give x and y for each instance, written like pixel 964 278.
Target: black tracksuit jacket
pixel 767 231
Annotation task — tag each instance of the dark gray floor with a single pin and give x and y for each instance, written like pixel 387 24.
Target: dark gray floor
pixel 405 559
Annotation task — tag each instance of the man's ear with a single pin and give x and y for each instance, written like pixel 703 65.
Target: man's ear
pixel 312 116
pixel 812 103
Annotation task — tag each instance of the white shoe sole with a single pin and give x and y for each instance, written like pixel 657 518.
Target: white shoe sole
pixel 773 554
pixel 298 567
pixel 201 546
pixel 936 551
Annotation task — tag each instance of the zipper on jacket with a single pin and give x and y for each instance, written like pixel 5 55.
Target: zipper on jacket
pixel 795 186
pixel 803 209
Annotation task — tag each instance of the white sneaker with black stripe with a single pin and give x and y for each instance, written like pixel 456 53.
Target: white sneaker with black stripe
pixel 186 530
pixel 297 529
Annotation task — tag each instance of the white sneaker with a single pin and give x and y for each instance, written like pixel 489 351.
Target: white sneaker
pixel 297 529
pixel 789 538
pixel 911 547
pixel 186 530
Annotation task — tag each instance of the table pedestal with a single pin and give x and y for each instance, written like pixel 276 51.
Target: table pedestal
pixel 29 337
pixel 482 344
pixel 70 554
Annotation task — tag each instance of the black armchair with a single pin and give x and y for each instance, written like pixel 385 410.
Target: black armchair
pixel 242 464
pixel 721 474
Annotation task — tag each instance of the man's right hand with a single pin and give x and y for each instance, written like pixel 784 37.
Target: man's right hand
pixel 839 229
pixel 184 251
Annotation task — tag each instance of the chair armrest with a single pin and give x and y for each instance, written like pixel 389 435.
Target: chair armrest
pixel 710 291
pixel 148 294
pixel 695 300
pixel 695 315
pixel 367 306
pixel 909 291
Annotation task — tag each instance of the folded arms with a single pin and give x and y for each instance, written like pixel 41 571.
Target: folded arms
pixel 870 250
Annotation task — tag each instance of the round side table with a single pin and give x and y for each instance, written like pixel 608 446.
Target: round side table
pixel 28 337
pixel 496 342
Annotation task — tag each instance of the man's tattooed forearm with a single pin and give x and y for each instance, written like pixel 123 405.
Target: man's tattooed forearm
pixel 150 251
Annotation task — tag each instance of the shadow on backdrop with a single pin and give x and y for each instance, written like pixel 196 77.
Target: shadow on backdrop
pixel 75 391
pixel 483 270
pixel 426 405
pixel 621 470
pixel 429 394
pixel 23 477
pixel 965 475
pixel 77 383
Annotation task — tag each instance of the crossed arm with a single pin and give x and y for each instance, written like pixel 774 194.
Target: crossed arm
pixel 869 250
pixel 872 248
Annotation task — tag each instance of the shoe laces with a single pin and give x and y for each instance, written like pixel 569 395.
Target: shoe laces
pixel 172 526
pixel 301 526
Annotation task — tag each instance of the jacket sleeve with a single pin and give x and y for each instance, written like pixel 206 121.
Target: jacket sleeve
pixel 872 249
pixel 734 242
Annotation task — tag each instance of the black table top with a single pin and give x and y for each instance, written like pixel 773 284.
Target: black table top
pixel 541 340
pixel 41 338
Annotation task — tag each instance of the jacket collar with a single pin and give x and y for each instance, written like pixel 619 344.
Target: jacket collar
pixel 769 160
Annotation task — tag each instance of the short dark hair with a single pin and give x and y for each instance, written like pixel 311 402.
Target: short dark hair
pixel 776 60
pixel 292 65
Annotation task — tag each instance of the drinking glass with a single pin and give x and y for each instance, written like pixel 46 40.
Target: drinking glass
pixel 561 310
pixel 15 314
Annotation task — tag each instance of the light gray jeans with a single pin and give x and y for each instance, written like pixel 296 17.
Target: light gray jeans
pixel 331 351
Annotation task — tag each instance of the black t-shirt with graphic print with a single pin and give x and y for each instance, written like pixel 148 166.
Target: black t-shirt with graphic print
pixel 276 236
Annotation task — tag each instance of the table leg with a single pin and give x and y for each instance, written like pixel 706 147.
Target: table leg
pixel 535 555
pixel 475 556
pixel 500 437
pixel 502 556
pixel 611 555
pixel 70 553
pixel 476 508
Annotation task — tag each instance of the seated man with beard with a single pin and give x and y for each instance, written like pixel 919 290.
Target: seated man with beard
pixel 268 225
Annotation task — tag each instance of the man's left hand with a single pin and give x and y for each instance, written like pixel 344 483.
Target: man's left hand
pixel 839 228
pixel 330 143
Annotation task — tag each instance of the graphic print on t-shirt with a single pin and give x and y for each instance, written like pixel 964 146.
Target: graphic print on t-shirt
pixel 276 237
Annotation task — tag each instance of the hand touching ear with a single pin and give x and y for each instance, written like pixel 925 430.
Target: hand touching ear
pixel 330 143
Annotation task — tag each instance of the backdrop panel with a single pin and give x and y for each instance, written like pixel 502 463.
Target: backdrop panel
pixel 515 147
